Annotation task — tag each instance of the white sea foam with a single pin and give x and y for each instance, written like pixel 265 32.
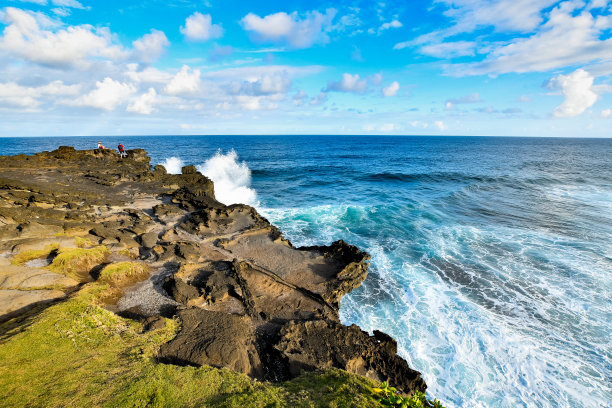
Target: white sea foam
pixel 232 179
pixel 493 318
pixel 173 165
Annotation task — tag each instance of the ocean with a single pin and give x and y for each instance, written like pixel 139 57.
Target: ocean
pixel 491 257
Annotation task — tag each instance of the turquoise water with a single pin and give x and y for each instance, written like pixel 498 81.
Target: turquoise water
pixel 491 257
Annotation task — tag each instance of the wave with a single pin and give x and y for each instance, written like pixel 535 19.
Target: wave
pixel 173 165
pixel 232 179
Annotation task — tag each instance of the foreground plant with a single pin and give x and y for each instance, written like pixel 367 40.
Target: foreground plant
pixel 390 397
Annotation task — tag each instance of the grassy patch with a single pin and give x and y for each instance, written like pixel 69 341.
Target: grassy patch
pixel 121 273
pixel 83 242
pixel 77 262
pixel 131 253
pixel 29 255
pixel 77 354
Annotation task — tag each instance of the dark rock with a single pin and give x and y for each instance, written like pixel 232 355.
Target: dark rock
pixel 149 240
pixel 214 338
pixel 187 251
pixel 189 169
pixel 323 344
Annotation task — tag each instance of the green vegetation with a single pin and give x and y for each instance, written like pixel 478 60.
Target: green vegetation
pixel 77 354
pixel 26 256
pixel 77 262
pixel 389 397
pixel 83 242
pixel 122 273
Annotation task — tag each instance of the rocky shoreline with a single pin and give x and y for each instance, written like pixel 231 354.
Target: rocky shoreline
pixel 245 297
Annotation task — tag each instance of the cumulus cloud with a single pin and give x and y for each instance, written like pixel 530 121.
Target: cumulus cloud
pixel 12 94
pixel 199 27
pixel 297 32
pixel 391 90
pixel 568 37
pixel 390 24
pixel 107 96
pixel 268 84
pixel 25 37
pixel 606 113
pixel 577 90
pixel 150 46
pixel 144 104
pixel 186 82
pixel 348 83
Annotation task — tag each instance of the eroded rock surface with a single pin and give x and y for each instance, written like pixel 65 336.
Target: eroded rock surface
pixel 247 299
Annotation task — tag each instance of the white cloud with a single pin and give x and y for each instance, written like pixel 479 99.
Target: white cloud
pixel 577 90
pixel 606 113
pixel 144 104
pixel 391 90
pixel 567 38
pixel 25 38
pixel 388 25
pixel 147 75
pixel 508 15
pixel 268 84
pixel 199 27
pixel 185 82
pixel 12 94
pixel 348 83
pixel 446 50
pixel 150 46
pixel 440 125
pixel 472 98
pixel 319 99
pixel 290 28
pixel 107 96
pixel 68 3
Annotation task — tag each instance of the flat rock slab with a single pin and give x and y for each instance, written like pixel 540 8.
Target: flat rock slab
pixel 23 277
pixel 16 301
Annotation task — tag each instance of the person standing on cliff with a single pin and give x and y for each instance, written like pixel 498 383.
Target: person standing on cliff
pixel 121 150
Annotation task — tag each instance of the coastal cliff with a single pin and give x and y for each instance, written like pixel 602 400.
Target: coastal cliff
pixel 164 250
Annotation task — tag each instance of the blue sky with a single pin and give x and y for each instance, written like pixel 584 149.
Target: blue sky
pixel 437 67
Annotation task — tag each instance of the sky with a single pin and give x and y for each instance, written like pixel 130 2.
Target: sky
pixel 431 67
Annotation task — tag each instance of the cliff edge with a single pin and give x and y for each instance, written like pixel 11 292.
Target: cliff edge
pixel 245 297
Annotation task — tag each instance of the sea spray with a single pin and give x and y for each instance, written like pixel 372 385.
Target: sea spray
pixel 173 165
pixel 232 179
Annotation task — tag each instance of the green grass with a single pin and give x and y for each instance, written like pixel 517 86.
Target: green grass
pixel 77 354
pixel 120 273
pixel 29 255
pixel 83 242
pixel 77 262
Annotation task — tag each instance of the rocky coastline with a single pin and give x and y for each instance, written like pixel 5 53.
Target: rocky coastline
pixel 245 297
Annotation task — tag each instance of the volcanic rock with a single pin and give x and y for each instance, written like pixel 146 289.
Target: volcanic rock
pixel 247 299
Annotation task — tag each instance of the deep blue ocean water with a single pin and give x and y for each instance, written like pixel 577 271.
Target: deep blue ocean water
pixel 491 257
